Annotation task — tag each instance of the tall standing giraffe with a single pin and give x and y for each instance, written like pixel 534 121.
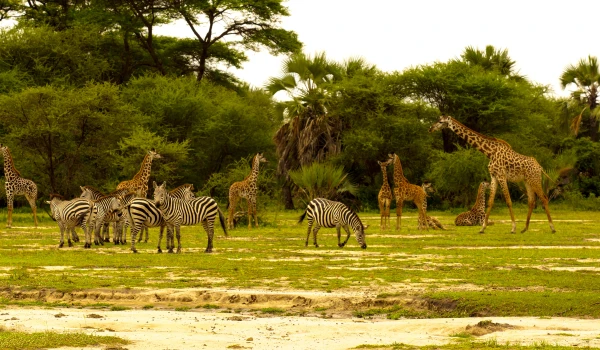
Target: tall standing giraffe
pixel 405 191
pixel 15 185
pixel 245 189
pixel 139 183
pixel 385 195
pixel 505 165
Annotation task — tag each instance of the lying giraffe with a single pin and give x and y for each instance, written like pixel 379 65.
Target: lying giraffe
pixel 15 185
pixel 505 165
pixel 245 189
pixel 476 215
pixel 405 191
pixel 431 221
pixel 385 196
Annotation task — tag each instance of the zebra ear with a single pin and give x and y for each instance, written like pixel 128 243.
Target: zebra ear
pixel 378 162
pixel 47 202
pixel 154 184
pixel 164 184
pixel 81 187
pixel 365 227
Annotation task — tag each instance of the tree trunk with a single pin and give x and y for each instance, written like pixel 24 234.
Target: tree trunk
pixel 202 65
pixel 286 191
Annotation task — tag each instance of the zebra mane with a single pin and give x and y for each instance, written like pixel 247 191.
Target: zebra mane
pixel 93 189
pixel 190 186
pixel 56 195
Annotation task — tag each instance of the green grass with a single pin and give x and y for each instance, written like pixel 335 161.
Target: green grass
pixel 465 343
pixel 454 273
pixel 44 340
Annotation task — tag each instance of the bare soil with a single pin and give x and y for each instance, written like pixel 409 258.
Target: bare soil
pixel 244 320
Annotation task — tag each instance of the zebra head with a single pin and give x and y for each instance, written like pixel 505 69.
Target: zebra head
pixel 359 232
pixel 160 192
pixel 188 194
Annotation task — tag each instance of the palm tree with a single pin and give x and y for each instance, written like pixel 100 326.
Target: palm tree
pixel 586 77
pixel 309 133
pixel 491 60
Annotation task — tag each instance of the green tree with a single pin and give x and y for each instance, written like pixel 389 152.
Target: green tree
pixel 223 28
pixel 586 78
pixel 322 180
pixel 64 137
pixel 491 59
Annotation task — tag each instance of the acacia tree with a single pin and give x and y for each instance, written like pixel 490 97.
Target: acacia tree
pixel 223 28
pixel 586 77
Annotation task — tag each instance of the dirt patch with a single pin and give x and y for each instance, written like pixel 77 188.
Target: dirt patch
pixel 487 327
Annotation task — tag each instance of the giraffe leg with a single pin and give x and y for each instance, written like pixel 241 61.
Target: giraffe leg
pixel 509 204
pixel 540 193
pixel 9 205
pixel 382 214
pixel 255 216
pixel 422 214
pixel 388 205
pixel 530 204
pixel 399 204
pixel 249 214
pixel 493 187
pixel 232 205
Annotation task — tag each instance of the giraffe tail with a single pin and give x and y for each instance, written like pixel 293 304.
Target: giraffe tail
pixel 222 220
pixel 302 217
pixel 548 176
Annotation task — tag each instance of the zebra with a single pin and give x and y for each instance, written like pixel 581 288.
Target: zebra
pixel 92 193
pixel 325 213
pixel 185 191
pixel 106 209
pixel 177 212
pixel 142 212
pixel 68 214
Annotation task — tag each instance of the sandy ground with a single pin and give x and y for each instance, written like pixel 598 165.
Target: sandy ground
pixel 202 329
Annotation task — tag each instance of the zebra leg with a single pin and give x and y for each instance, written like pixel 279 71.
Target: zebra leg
pixel 347 236
pixel 308 233
pixel 106 233
pixel 141 235
pixel 160 235
pixel 62 239
pixel 134 231
pixel 74 235
pixel 315 231
pixel 339 234
pixel 209 227
pixel 147 234
pixel 177 230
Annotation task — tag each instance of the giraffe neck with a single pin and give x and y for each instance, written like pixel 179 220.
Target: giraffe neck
pixel 385 176
pixel 480 201
pixel 398 173
pixel 10 172
pixel 484 144
pixel 144 173
pixel 254 173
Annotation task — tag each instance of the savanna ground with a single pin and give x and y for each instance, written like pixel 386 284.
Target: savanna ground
pixel 262 289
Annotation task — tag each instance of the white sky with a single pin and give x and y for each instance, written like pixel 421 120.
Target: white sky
pixel 543 37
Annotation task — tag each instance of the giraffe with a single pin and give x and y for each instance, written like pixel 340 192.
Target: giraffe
pixel 476 215
pixel 385 196
pixel 15 185
pixel 405 191
pixel 431 221
pixel 505 165
pixel 139 183
pixel 245 189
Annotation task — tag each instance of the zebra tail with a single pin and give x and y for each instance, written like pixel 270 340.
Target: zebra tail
pixel 302 217
pixel 222 220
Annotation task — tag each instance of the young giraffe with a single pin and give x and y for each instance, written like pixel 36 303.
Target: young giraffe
pixel 505 165
pixel 15 185
pixel 139 183
pixel 385 196
pixel 245 189
pixel 476 215
pixel 431 221
pixel 405 191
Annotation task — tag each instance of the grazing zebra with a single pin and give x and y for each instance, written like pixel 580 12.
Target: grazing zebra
pixel 69 214
pixel 142 212
pixel 185 191
pixel 325 213
pixel 177 212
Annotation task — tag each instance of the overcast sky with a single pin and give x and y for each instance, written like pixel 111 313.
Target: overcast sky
pixel 543 37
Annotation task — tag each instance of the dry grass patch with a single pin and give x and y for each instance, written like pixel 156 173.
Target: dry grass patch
pixel 487 327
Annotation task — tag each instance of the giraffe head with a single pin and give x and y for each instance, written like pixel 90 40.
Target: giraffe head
pixel 484 185
pixel 442 123
pixel 261 159
pixel 153 155
pixel 160 193
pixel 387 162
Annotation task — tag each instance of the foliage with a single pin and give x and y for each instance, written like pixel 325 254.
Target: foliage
pixel 62 137
pixel 322 180
pixel 10 339
pixel 457 175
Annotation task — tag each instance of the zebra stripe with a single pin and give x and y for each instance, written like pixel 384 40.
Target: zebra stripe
pixel 69 214
pixel 177 212
pixel 322 212
pixel 106 209
pixel 142 212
